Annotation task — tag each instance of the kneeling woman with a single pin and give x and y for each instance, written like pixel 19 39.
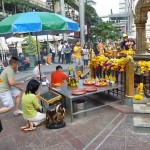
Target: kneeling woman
pixel 31 107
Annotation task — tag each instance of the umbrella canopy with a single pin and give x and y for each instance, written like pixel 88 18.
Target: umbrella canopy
pixel 37 22
pixel 42 38
pixel 13 40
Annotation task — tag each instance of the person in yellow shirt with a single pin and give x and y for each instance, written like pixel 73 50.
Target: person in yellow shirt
pixel 30 106
pixel 77 52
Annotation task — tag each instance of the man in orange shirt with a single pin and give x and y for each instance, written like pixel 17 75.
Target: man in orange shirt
pixel 58 76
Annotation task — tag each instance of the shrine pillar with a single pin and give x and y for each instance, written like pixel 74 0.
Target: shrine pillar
pixel 140 38
pixel 129 79
pixel 129 84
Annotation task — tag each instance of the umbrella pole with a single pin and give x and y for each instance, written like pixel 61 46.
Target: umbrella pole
pixel 32 65
pixel 39 63
pixel 48 45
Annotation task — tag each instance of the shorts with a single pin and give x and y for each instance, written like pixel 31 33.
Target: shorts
pixel 7 96
pixel 78 61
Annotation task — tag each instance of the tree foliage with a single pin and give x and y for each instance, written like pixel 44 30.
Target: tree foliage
pixel 30 41
pixel 105 30
pixel 21 6
pixel 90 13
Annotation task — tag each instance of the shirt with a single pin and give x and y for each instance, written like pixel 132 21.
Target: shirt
pixel 58 77
pixel 7 73
pixel 67 50
pixel 29 105
pixel 85 54
pixel 36 71
pixel 61 48
pixel 53 48
pixel 77 51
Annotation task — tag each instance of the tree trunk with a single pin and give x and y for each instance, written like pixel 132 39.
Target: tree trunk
pixel 15 9
pixel 3 7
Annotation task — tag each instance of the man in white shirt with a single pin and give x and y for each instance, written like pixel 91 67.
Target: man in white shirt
pixel 61 49
pixel 53 48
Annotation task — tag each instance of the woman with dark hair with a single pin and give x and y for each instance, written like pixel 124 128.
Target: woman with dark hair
pixel 67 54
pixel 31 107
pixel 85 53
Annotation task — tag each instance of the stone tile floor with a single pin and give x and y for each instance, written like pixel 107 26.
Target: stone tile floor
pixel 107 128
pixel 103 129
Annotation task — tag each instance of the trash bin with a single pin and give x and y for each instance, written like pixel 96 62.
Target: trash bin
pixel 79 105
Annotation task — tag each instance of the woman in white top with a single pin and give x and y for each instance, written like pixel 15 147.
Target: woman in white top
pixel 85 53
pixel 37 75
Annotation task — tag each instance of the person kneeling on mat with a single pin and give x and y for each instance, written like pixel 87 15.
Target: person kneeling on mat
pixel 30 106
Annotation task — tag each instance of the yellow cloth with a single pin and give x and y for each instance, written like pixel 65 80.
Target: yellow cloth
pixel 77 51
pixel 29 105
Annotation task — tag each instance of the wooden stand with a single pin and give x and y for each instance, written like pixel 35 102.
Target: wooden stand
pixel 130 79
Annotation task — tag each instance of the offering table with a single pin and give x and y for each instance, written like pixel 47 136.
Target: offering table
pixel 66 92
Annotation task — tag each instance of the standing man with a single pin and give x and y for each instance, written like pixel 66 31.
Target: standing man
pixel 53 48
pixel 77 52
pixel 9 88
pixel 61 48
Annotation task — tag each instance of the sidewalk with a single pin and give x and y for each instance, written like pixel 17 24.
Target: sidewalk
pixel 46 69
pixel 106 128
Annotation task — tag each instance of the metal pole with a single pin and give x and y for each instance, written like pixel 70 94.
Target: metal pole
pixel 37 48
pixel 62 10
pixel 82 20
pixel 31 56
pixel 48 49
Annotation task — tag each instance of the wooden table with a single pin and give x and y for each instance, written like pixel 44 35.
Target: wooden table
pixel 65 91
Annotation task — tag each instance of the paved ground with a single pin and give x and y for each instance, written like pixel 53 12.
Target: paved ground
pixel 107 128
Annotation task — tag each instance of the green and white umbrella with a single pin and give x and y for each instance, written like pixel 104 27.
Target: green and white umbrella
pixel 39 22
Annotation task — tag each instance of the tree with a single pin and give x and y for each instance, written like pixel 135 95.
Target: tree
pixel 20 6
pixel 3 7
pixel 90 13
pixel 26 47
pixel 90 2
pixel 105 30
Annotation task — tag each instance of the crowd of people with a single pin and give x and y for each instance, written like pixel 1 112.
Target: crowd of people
pixel 69 52
pixel 9 88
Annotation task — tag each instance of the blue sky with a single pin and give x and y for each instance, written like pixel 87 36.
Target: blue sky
pixel 103 7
